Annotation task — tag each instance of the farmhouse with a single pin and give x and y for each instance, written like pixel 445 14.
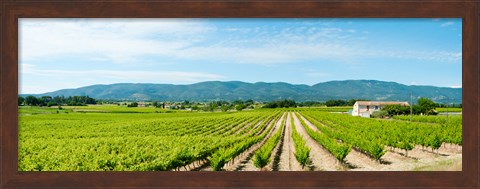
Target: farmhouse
pixel 365 108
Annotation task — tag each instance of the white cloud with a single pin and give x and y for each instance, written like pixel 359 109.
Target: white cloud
pixel 127 41
pixel 282 53
pixel 163 76
pixel 117 40
pixel 447 24
pixel 26 68
pixel 55 85
pixel 456 86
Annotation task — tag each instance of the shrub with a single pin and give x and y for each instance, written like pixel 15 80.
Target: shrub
pixel 134 104
pixel 379 114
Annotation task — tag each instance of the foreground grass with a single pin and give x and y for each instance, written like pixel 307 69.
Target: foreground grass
pixel 446 165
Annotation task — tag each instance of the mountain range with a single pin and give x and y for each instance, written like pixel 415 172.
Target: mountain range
pixel 263 91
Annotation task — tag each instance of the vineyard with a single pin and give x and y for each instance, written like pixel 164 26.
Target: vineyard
pixel 303 139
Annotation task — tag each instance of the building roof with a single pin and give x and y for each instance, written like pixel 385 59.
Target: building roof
pixel 379 103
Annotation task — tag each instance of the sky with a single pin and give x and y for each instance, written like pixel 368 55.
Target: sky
pixel 70 53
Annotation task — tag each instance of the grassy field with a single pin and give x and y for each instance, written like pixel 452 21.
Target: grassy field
pixel 449 109
pixel 116 109
pixel 33 110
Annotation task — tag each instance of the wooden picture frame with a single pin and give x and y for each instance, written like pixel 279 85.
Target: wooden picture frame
pixel 12 10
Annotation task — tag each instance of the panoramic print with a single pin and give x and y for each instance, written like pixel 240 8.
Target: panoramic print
pixel 251 94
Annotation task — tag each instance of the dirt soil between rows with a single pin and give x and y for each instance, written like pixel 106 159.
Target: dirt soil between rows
pixel 288 162
pixel 321 159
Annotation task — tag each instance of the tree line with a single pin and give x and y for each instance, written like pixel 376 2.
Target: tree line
pixel 238 105
pixel 424 106
pixel 287 103
pixel 351 102
pixel 205 106
pixel 55 101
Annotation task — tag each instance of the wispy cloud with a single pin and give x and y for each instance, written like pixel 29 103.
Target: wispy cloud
pixel 445 24
pixel 128 41
pixel 117 40
pixel 430 55
pixel 159 76
pixel 291 47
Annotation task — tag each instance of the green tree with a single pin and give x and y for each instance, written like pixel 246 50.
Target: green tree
pixel 351 102
pixel 286 103
pixel 395 109
pixel 379 114
pixel 210 106
pixel 31 100
pixel 60 100
pixel 44 100
pixel 133 104
pixel 236 102
pixel 49 104
pixel 226 107
pixel 21 100
pixel 240 107
pixel 426 106
pixel 249 102
pixel 330 103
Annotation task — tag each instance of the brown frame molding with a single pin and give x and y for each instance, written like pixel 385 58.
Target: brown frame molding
pixel 11 10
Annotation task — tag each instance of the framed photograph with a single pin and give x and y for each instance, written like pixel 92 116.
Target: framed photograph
pixel 239 94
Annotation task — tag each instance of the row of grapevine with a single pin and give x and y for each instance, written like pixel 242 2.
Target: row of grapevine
pixel 451 128
pixel 455 119
pixel 227 153
pixel 263 155
pixel 251 126
pixel 339 150
pixel 399 134
pixel 234 125
pixel 302 152
pixel 370 146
